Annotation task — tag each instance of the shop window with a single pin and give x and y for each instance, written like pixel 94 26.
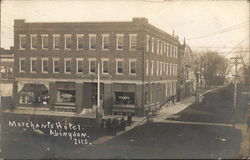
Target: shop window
pixel 124 98
pixel 66 96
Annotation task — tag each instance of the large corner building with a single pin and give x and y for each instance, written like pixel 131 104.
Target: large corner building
pixel 56 66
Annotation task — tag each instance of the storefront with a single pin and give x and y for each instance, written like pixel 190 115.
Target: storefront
pixel 34 95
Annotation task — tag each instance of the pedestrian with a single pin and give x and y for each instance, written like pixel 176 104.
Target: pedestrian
pixel 129 119
pixel 123 124
pixel 173 100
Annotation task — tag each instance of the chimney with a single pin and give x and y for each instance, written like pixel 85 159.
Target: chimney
pixel 140 20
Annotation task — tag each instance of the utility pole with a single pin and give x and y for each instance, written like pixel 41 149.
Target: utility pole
pixel 236 62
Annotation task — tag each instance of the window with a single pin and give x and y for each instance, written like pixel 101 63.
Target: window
pixel 176 52
pixel 80 41
pixel 79 65
pixel 152 45
pixel 147 43
pixel 152 67
pixel 33 41
pixel 45 41
pixel 161 48
pixel 119 41
pixel 167 68
pixel 56 65
pixel 164 48
pixel 45 65
pixel 124 97
pixel 56 41
pixel 33 65
pixel 67 41
pixel 147 67
pixel 132 67
pixel 158 46
pixel 105 66
pixel 168 50
pixel 92 42
pixel 132 42
pixel 160 68
pixel 67 65
pixel 65 96
pixel 92 66
pixel 170 65
pixel 21 64
pixel 164 67
pixel 22 41
pixel 157 68
pixel 105 42
pixel 119 66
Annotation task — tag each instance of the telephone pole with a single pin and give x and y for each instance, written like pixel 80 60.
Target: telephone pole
pixel 237 61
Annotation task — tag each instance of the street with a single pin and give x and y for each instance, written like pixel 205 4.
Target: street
pixel 191 133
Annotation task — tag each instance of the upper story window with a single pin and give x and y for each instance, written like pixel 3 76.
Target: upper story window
pixel 119 66
pixel 22 64
pixel 167 68
pixel 157 68
pixel 164 67
pixel 176 52
pixel 79 65
pixel 33 41
pixel 152 67
pixel 56 41
pixel 105 42
pixel 92 66
pixel 170 65
pixel 67 41
pixel 92 41
pixel 45 41
pixel 56 65
pixel 170 52
pixel 132 67
pixel 164 48
pixel 22 41
pixel 161 44
pixel 147 43
pixel 67 65
pixel 160 68
pixel 132 42
pixel 119 41
pixel 167 49
pixel 152 45
pixel 80 41
pixel 158 46
pixel 33 65
pixel 45 65
pixel 147 67
pixel 105 66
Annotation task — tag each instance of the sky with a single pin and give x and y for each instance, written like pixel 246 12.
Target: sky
pixel 211 25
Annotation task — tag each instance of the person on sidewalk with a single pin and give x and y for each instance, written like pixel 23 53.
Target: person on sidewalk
pixel 123 124
pixel 129 119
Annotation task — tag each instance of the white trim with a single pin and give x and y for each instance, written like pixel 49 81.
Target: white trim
pixel 30 80
pixel 77 41
pixel 44 59
pixel 20 59
pixel 132 60
pixel 65 60
pixel 77 62
pixel 31 41
pixel 65 37
pixel 90 36
pixel 119 35
pixel 22 36
pixel 31 68
pixel 116 66
pixel 92 60
pixel 105 60
pixel 105 35
pixel 42 36
pixel 54 44
pixel 130 41
pixel 55 59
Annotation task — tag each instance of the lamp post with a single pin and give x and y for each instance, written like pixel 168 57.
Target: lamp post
pixel 98 109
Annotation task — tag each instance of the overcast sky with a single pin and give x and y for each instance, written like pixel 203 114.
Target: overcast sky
pixel 217 25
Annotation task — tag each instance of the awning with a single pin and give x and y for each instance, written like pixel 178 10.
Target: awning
pixel 34 88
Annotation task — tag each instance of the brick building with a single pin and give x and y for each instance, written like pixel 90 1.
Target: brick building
pixel 56 65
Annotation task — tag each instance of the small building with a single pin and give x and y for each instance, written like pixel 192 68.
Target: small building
pixel 56 66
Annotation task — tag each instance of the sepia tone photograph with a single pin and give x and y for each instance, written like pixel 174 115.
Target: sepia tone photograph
pixel 125 79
